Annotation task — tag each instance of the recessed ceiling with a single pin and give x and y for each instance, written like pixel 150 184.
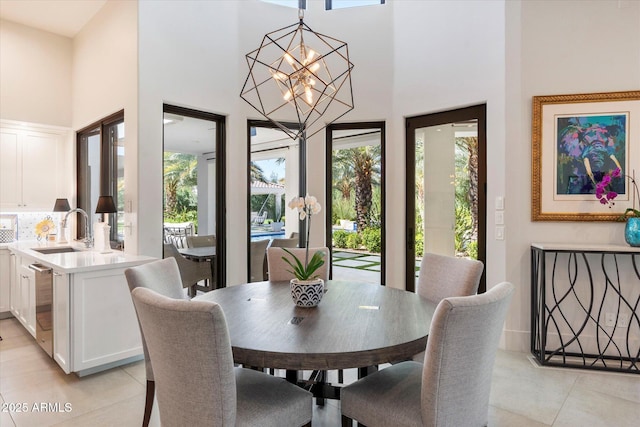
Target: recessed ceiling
pixel 62 17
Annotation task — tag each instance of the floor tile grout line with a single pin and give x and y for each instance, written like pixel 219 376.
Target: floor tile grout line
pixel 575 381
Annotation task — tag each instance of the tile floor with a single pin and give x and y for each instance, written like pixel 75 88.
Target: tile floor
pixel 523 394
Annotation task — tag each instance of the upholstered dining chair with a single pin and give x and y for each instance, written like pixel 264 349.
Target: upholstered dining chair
pixel 279 270
pixel 191 272
pixel 201 241
pixel 452 387
pixel 284 243
pixel 444 276
pixel 197 384
pixel 258 261
pixel 162 276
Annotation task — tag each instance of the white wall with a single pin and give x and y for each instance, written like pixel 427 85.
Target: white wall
pixel 557 48
pixel 189 57
pixel 35 75
pixel 447 55
pixel 104 77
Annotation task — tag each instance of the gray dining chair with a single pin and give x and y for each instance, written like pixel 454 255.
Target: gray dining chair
pixel 444 276
pixel 162 276
pixel 279 270
pixel 258 261
pixel 197 384
pixel 284 243
pixel 452 387
pixel 191 272
pixel 201 241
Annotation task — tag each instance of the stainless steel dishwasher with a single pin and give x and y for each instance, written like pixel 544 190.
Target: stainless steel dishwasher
pixel 44 306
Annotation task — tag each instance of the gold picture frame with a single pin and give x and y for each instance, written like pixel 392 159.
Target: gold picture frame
pixel 576 139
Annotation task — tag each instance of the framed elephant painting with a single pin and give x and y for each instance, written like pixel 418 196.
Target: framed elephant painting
pixel 584 147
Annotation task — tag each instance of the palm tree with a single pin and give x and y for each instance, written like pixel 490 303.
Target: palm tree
pixel 468 184
pixel 256 173
pixel 179 171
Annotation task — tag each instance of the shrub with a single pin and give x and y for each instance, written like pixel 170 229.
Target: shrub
pixel 340 238
pixel 372 239
pixel 419 245
pixel 354 241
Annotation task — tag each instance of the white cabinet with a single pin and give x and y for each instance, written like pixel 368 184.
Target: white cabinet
pixel 30 168
pixel 5 282
pixel 28 299
pixel 23 292
pixel 105 327
pixel 14 278
pixel 61 318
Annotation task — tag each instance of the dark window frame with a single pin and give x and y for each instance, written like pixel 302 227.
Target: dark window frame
pixel 381 125
pixel 221 176
pixel 108 168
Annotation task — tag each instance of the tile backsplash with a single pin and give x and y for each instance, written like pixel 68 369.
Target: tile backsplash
pixel 26 222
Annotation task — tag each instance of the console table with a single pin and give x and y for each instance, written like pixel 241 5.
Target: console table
pixel 585 305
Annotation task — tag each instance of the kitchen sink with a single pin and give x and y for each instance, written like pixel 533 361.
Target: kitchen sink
pixel 60 250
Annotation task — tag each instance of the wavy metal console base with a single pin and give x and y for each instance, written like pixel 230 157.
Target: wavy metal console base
pixel 585 306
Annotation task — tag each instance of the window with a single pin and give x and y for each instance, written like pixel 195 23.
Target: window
pixel 342 4
pixel 100 172
pixel 296 4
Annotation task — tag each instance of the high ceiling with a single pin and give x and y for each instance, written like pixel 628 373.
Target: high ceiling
pixel 62 17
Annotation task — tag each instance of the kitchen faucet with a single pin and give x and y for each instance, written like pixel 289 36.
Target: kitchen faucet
pixel 88 240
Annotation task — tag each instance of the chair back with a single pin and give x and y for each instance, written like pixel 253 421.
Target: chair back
pixel 284 243
pixel 279 269
pixel 191 272
pixel 161 276
pixel 190 349
pixel 258 261
pixel 444 276
pixel 177 233
pixel 201 241
pixel 460 353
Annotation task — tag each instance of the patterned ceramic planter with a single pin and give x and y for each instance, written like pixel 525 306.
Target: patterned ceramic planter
pixel 632 231
pixel 307 293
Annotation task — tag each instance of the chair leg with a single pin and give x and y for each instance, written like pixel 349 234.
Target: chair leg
pixel 148 405
pixel 346 421
pixel 340 376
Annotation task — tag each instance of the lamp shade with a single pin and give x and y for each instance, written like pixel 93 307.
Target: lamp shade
pixel 62 205
pixel 105 205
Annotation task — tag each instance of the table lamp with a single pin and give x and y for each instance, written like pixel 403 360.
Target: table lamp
pixel 105 206
pixel 62 205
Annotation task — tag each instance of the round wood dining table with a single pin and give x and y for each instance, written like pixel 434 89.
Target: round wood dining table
pixel 355 325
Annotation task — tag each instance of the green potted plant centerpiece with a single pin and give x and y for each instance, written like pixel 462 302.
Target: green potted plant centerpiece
pixel 307 288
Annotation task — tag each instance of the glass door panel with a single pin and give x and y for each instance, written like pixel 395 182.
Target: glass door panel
pixel 355 191
pixel 274 178
pixel 193 187
pixel 446 201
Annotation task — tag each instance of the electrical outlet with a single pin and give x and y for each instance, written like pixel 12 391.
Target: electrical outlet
pixel 610 319
pixel 623 321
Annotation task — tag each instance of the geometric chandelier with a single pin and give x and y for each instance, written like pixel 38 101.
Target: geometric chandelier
pixel 299 76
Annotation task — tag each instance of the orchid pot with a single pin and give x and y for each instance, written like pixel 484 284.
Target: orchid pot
pixel 307 293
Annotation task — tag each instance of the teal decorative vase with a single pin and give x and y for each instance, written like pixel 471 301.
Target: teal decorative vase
pixel 632 231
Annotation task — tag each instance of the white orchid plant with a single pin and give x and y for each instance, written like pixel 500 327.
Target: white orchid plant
pixel 306 207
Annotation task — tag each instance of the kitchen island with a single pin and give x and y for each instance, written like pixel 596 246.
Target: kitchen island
pixel 93 321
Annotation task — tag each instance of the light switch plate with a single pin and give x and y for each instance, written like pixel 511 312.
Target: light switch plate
pixel 499 233
pixel 499 203
pixel 499 217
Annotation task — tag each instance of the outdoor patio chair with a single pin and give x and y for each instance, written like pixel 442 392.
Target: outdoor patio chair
pixel 259 220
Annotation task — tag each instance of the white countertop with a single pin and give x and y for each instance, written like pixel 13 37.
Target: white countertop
pixel 580 247
pixel 74 262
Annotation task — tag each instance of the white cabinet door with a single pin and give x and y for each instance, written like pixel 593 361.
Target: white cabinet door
pixel 61 318
pixel 10 170
pixel 5 281
pixel 30 171
pixel 105 326
pixel 16 304
pixel 28 299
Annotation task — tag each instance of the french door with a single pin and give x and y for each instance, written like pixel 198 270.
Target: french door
pixel 446 187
